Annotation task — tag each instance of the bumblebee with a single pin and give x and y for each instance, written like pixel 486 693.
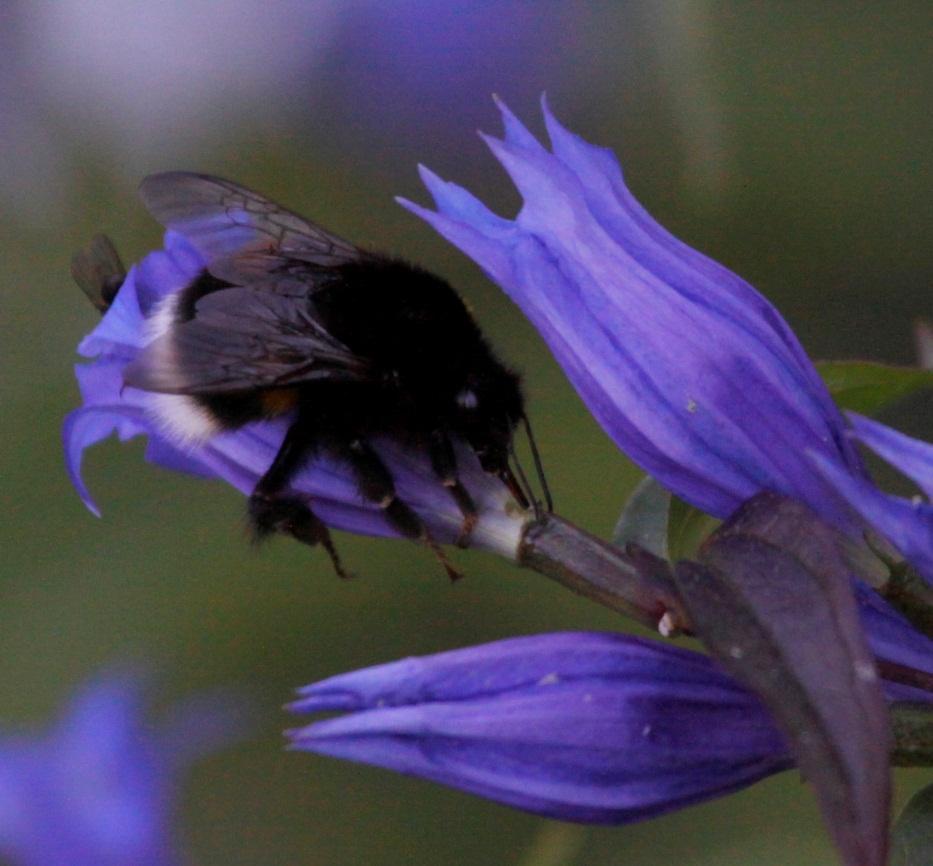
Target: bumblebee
pixel 287 319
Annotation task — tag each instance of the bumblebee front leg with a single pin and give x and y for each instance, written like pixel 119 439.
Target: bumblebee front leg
pixel 376 485
pixel 444 463
pixel 270 511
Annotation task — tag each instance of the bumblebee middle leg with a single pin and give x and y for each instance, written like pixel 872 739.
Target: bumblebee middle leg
pixel 376 485
pixel 271 511
pixel 444 463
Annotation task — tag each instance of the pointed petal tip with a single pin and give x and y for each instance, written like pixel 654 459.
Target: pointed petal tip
pixel 493 143
pixel 423 170
pixel 417 209
pixel 74 451
pixel 508 116
pixel 315 699
pixel 506 112
pixel 406 203
pixel 430 178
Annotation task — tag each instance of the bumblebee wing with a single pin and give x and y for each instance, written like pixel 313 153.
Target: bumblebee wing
pixel 225 220
pixel 240 339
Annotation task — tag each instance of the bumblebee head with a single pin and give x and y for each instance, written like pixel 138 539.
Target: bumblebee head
pixel 488 407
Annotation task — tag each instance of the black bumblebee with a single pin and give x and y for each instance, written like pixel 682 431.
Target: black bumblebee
pixel 288 319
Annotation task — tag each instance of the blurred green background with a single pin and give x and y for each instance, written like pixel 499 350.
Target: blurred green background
pixel 789 141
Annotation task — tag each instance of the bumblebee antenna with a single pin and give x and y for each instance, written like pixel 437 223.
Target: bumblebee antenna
pixel 98 270
pixel 527 492
pixel 539 467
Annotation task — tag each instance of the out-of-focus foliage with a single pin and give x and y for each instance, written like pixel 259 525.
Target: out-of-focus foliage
pixel 790 143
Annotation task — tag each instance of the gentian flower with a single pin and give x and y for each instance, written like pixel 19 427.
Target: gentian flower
pixel 100 788
pixel 907 524
pixel 580 726
pixel 690 370
pixel 242 456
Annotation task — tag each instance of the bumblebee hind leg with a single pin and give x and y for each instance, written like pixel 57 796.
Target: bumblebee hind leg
pixel 270 511
pixel 292 517
pixel 376 485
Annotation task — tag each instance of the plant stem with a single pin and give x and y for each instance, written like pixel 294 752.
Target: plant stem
pixel 602 572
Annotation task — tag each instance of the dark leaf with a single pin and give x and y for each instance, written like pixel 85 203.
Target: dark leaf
pixel 793 528
pixel 912 843
pixel 867 387
pixel 771 599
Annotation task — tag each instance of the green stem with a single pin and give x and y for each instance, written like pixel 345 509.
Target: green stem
pixel 904 589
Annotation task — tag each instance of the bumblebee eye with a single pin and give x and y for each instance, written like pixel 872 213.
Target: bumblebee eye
pixel 467 399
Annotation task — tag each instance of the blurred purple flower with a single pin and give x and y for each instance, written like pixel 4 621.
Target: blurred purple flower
pixel 907 524
pixel 242 456
pixel 580 726
pixel 150 72
pixel 691 371
pixel 100 788
pixel 417 70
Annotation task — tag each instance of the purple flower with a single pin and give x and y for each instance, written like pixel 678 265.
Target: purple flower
pixel 99 789
pixel 581 726
pixel 242 456
pixel 906 523
pixel 689 369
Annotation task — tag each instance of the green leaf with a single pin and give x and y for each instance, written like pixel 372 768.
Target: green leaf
pixel 912 844
pixel 644 519
pixel 687 529
pixel 867 387
pixel 662 524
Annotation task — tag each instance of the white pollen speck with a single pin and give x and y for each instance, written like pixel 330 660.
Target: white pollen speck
pixel 691 406
pixel 866 672
pixel 467 399
pixel 736 652
pixel 646 730
pixel 916 501
pixel 666 625
pixel 549 679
